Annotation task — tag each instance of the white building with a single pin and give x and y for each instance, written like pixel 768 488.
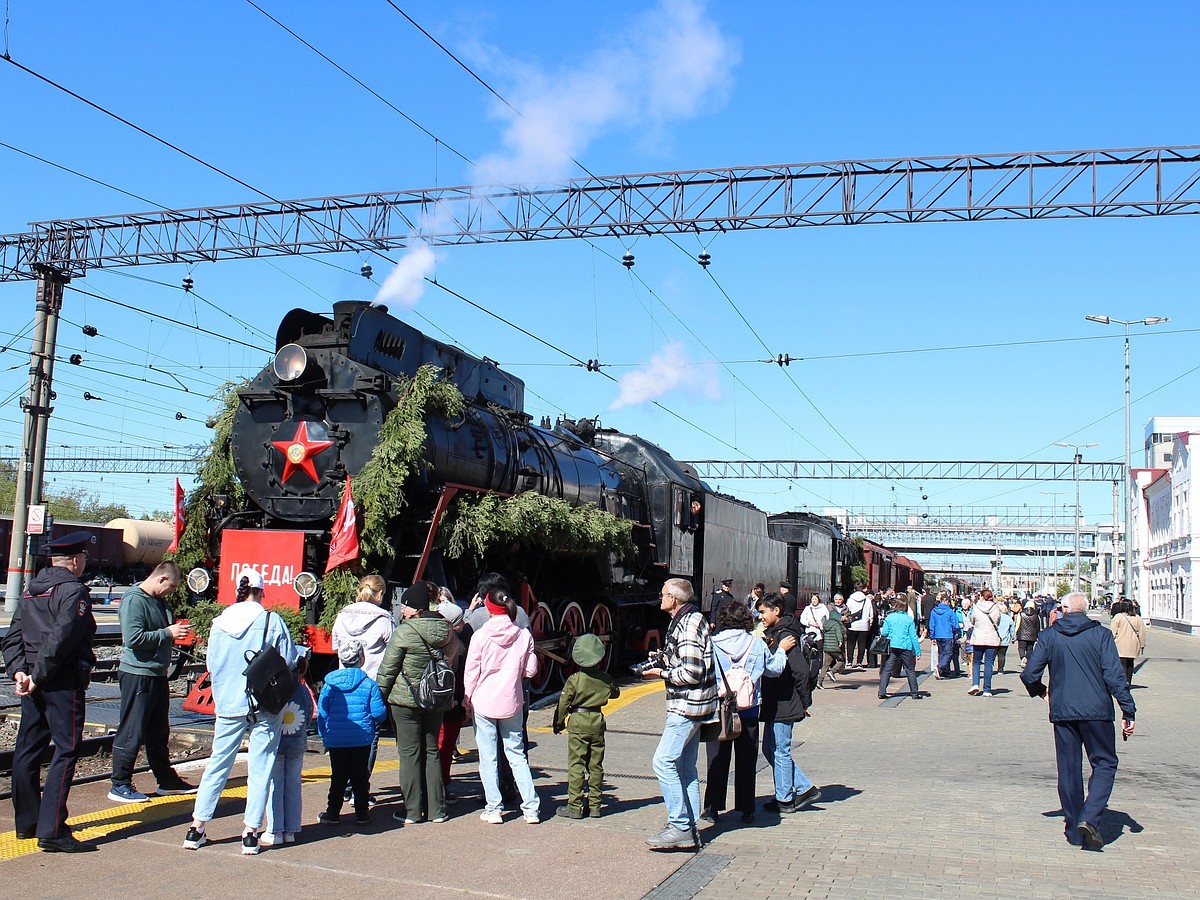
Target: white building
pixel 1163 526
pixel 1160 435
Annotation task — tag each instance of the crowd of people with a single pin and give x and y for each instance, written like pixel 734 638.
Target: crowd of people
pixel 746 671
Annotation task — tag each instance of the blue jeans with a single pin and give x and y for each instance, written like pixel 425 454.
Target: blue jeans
pixel 675 766
pixel 227 740
pixel 987 656
pixel 777 748
pixel 283 811
pixel 510 732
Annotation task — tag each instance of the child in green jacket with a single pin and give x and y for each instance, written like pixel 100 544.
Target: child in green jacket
pixel 582 700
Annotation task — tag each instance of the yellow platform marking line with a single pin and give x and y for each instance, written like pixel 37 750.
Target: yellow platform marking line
pixel 628 695
pixel 112 819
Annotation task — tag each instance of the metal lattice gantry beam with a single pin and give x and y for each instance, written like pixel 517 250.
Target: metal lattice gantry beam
pixel 1148 181
pixel 960 470
pixel 119 460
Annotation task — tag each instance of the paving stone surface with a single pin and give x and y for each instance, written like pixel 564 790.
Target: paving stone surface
pixel 950 795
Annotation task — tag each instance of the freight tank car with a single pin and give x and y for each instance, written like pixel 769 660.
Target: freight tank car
pixel 313 417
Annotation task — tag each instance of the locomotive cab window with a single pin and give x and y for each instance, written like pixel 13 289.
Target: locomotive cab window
pixel 689 510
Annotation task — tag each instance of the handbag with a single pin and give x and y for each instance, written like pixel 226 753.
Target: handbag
pixel 269 680
pixel 881 645
pixel 729 723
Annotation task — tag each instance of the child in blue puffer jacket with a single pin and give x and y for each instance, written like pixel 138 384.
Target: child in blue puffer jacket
pixel 349 711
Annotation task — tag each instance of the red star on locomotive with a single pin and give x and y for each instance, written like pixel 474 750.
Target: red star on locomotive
pixel 298 453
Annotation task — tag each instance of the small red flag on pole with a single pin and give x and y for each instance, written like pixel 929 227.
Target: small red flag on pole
pixel 180 521
pixel 343 544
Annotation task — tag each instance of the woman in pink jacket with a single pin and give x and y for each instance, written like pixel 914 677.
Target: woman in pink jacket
pixel 500 656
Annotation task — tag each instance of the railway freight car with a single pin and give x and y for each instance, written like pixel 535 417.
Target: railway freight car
pixel 314 417
pixel 819 556
pixel 125 549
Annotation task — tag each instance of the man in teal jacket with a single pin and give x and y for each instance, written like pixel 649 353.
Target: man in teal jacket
pixel 148 631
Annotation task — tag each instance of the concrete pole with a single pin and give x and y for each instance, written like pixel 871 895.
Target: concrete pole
pixel 1078 459
pixel 20 565
pixel 57 283
pixel 1128 476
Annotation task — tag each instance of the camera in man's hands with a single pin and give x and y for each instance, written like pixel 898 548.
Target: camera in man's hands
pixel 654 662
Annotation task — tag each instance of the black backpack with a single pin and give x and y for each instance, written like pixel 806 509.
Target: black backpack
pixel 434 690
pixel 269 681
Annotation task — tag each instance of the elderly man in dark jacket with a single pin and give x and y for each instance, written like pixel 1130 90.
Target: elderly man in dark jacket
pixel 1085 676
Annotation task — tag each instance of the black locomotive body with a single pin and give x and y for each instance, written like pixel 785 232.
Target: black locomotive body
pixel 314 415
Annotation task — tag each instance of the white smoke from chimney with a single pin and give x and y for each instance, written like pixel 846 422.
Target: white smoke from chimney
pixel 668 64
pixel 405 285
pixel 667 370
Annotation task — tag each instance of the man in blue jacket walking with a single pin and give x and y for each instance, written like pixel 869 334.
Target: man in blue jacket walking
pixel 1085 676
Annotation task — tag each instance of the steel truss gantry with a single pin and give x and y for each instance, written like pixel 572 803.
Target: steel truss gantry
pixel 120 460
pixel 960 470
pixel 1149 181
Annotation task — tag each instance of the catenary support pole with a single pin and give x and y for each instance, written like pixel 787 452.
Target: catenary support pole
pixel 37 413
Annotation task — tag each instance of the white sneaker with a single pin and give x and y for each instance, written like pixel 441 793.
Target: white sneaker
pixel 532 820
pixel 987 693
pixel 270 839
pixel 974 689
pixel 492 817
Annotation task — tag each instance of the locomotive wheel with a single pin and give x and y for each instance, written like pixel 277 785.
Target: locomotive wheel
pixel 600 623
pixel 541 623
pixel 571 621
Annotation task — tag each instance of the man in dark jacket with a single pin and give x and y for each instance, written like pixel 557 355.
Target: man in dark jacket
pixel 48 654
pixel 148 633
pixel 785 701
pixel 1085 676
pixel 719 598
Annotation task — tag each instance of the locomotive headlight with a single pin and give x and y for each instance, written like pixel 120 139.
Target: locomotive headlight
pixel 290 362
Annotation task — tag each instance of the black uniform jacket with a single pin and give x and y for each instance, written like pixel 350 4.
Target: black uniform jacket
pixel 50 637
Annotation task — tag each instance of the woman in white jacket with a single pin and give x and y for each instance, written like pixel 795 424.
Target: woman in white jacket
pixel 366 622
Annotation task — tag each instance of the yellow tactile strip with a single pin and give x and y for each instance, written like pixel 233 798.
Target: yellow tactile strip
pixel 109 820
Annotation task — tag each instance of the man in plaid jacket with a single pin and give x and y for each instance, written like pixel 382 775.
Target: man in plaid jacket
pixel 691 680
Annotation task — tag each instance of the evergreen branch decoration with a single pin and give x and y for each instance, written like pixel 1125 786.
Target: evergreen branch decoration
pixel 217 476
pixel 338 589
pixel 476 522
pixel 398 454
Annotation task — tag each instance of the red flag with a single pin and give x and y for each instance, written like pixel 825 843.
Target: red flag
pixel 180 521
pixel 343 543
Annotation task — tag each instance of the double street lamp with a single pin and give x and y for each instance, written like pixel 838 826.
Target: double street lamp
pixel 1075 467
pixel 1109 320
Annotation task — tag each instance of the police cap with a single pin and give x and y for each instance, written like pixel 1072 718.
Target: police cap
pixel 727 581
pixel 70 544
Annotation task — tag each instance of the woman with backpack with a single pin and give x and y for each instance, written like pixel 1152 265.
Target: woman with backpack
pixel 244 627
pixel 409 651
pixel 499 658
pixel 742 659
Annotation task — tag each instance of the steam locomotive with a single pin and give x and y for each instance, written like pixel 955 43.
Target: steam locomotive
pixel 313 417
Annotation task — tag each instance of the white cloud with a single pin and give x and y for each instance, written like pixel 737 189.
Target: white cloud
pixel 669 64
pixel 666 371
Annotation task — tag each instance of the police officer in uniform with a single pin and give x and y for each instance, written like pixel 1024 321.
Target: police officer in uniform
pixel 720 598
pixel 48 654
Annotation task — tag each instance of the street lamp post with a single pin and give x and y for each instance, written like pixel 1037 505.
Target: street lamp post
pixel 1109 320
pixel 1054 533
pixel 1075 468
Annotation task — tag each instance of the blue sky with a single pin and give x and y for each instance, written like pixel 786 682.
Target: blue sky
pixel 633 87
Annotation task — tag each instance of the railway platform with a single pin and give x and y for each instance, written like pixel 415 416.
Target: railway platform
pixel 951 796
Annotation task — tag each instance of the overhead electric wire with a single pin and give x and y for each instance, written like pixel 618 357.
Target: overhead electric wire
pixel 363 85
pixel 464 66
pixel 105 184
pixel 176 322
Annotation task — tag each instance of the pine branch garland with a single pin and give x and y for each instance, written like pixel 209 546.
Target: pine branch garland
pixel 476 522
